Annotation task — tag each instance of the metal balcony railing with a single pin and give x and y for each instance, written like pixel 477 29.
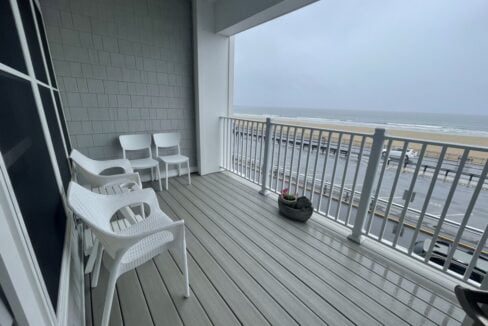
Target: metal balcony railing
pixel 428 200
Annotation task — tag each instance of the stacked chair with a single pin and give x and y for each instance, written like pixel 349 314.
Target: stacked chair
pixel 104 196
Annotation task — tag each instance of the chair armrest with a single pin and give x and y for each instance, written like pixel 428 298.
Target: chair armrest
pixel 122 163
pixel 143 196
pixel 115 179
pixel 123 180
pixel 470 300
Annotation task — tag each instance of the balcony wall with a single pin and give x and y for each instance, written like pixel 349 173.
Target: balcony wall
pixel 123 67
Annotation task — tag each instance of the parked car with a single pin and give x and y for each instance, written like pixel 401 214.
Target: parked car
pixel 396 153
pixel 460 259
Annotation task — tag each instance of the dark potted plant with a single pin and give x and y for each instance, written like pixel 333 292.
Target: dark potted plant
pixel 298 209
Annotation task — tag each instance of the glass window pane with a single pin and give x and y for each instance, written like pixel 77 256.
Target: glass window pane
pixel 29 166
pixel 56 137
pixel 10 51
pixel 32 40
pixel 44 45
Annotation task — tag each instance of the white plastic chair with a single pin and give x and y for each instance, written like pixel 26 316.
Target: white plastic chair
pixel 170 140
pixel 133 246
pixel 87 170
pixel 137 143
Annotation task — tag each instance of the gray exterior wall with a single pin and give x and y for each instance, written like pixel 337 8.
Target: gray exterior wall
pixel 123 66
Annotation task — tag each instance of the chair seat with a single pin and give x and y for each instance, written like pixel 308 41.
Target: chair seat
pixel 143 163
pixel 174 159
pixel 147 248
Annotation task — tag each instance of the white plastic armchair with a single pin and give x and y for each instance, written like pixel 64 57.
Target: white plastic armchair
pixel 88 170
pixel 135 245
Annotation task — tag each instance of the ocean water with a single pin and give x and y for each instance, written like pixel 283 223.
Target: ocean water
pixel 475 125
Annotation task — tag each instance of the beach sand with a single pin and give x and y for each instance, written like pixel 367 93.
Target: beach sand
pixel 478 157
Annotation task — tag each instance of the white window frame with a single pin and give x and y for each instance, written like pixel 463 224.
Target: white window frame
pixel 25 274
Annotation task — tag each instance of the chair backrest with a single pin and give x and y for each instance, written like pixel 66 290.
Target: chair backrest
pixel 89 170
pixel 86 163
pixel 135 143
pixel 167 140
pixel 96 210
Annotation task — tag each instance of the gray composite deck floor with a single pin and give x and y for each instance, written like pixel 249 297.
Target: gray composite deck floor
pixel 250 266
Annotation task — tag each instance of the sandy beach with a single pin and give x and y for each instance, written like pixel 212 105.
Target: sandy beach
pixel 478 157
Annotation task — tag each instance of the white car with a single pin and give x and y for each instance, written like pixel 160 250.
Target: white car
pixel 396 153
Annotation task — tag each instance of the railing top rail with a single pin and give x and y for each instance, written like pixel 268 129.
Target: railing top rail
pixel 244 120
pixel 438 143
pixel 352 133
pixel 364 134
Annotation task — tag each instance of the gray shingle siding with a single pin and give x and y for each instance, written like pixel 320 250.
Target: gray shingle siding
pixel 123 66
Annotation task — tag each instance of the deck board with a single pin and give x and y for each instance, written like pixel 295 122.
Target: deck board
pixel 345 264
pixel 248 266
pixel 397 275
pixel 190 309
pixel 304 284
pixel 427 289
pixel 270 309
pixel 159 301
pixel 342 281
pixel 292 305
pixel 98 299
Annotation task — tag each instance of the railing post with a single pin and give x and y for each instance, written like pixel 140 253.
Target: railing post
pixel 264 166
pixel 221 141
pixel 372 168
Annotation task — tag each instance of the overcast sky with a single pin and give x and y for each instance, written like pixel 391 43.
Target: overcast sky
pixel 392 55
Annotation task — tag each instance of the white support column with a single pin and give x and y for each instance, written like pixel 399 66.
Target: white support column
pixel 212 89
pixel 372 168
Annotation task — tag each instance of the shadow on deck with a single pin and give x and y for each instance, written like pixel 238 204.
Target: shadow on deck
pixel 250 266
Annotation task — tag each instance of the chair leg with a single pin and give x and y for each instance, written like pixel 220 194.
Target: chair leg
pixel 93 256
pixel 184 261
pixel 96 270
pixel 152 174
pixel 109 296
pixel 188 167
pixel 179 169
pixel 166 175
pixel 159 177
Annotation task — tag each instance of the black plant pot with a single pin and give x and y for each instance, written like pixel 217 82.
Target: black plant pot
pixel 301 215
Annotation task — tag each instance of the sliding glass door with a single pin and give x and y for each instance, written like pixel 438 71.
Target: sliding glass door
pixel 34 141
